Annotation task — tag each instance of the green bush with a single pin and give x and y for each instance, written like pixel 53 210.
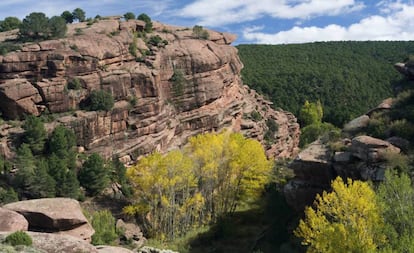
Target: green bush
pixel 8 196
pixel 104 224
pixel 378 126
pixel 74 84
pixel 256 116
pixel 200 33
pixel 6 47
pixel 312 132
pixel 19 238
pixel 9 23
pixel 129 15
pixel 178 81
pixel 402 128
pixel 100 101
pixel 155 40
pixel 148 23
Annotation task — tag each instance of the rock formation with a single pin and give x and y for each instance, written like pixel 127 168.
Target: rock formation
pixel 54 215
pixel 153 110
pixel 12 221
pixel 131 233
pixel 55 243
pixel 360 157
pixel 317 165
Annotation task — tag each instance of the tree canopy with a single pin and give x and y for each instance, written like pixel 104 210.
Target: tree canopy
pixel 348 78
pixel 148 23
pixel 79 14
pixel 93 174
pixel 35 134
pixel 129 15
pixel 37 26
pixel 9 23
pixel 208 178
pixel 348 219
pixel 68 16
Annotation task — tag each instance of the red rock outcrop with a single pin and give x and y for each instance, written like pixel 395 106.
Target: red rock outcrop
pixel 12 221
pixel 54 215
pixel 316 166
pixel 151 112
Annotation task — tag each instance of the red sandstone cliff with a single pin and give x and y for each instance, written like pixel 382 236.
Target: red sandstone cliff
pixel 34 80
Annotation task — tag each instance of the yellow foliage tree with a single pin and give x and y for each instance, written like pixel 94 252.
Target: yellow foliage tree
pixel 163 185
pixel 230 169
pixel 348 219
pixel 185 189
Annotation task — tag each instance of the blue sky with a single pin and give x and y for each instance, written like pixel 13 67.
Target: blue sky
pixel 254 21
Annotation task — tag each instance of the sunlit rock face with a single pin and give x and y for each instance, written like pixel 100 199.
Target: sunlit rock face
pixel 167 85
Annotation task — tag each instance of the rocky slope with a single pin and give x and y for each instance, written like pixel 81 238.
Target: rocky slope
pixel 357 156
pixel 150 112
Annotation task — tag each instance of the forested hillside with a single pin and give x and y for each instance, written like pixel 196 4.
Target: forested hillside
pixel 348 78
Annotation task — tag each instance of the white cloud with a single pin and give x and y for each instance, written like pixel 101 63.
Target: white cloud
pixel 396 25
pixel 219 12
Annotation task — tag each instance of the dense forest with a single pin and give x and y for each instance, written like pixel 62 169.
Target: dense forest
pixel 348 78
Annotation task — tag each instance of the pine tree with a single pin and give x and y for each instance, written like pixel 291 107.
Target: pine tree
pixel 93 175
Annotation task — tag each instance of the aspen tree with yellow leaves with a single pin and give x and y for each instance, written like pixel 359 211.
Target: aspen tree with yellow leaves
pixel 208 178
pixel 348 219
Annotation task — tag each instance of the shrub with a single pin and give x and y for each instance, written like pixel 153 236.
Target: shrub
pixel 148 24
pixel 74 84
pixel 256 116
pixel 78 31
pixel 8 196
pixel 178 81
pixel 104 224
pixel 272 126
pixel 402 128
pixel 200 33
pixel 155 40
pixel 100 101
pixel 9 23
pixel 19 238
pixel 312 132
pixel 397 161
pixel 6 47
pixel 129 15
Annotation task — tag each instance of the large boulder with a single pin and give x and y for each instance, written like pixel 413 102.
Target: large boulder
pixel 371 149
pixel 54 243
pixel 61 215
pixel 131 232
pixel 313 164
pixel 313 173
pixel 357 124
pixel 12 221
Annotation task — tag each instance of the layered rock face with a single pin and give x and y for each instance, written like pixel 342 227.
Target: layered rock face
pixel 153 110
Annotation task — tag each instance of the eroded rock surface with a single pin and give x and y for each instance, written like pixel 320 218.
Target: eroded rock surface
pixel 151 112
